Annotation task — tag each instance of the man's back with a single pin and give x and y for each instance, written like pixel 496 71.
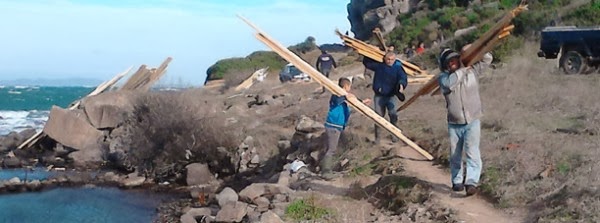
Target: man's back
pixel 325 62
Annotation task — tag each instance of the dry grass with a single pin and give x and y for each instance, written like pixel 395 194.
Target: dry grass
pixel 165 134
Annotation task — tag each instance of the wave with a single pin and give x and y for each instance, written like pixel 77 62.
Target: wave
pixel 16 121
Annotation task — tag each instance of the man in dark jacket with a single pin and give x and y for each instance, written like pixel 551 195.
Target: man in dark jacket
pixel 325 63
pixel 389 80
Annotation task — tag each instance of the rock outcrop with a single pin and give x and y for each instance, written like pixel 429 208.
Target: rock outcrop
pixel 366 15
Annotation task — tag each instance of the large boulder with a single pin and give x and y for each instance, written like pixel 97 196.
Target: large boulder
pixel 110 109
pixel 366 15
pixel 71 128
pixel 198 174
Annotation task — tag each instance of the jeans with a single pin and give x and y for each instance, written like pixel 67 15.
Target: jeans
pixel 382 105
pixel 465 137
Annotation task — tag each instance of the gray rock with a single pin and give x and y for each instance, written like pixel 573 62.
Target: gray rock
pixel 34 185
pixel 270 217
pixel 364 16
pixel 110 109
pixel 249 140
pixel 232 212
pixel 255 159
pixel 284 178
pixel 186 218
pixel 11 162
pixel 256 190
pixel 227 195
pixel 133 180
pixel 14 180
pixel 280 198
pixel 279 208
pixel 198 174
pixel 284 144
pixel 71 128
pixel 307 125
pixel 262 204
pixel 199 212
pixel 253 215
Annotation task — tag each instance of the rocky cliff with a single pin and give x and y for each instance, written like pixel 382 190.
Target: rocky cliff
pixel 365 15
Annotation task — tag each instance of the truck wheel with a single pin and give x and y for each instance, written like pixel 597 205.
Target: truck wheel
pixel 573 63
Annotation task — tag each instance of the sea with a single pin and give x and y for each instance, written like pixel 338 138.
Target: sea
pixel 23 107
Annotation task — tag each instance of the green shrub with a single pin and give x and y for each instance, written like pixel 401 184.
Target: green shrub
pixel 300 210
pixel 254 61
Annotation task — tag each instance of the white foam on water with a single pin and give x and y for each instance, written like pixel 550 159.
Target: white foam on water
pixel 16 121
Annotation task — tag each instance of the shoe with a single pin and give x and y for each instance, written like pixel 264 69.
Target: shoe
pixel 471 190
pixel 458 187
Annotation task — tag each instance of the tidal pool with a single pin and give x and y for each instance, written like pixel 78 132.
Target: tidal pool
pixel 95 204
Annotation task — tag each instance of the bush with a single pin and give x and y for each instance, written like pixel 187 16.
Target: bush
pixel 306 210
pixel 165 135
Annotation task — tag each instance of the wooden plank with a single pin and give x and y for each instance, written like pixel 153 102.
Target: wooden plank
pixel 99 89
pixel 250 80
pixel 334 88
pixel 156 74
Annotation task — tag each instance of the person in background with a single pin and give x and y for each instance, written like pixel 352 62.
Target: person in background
pixel 421 48
pixel 325 63
pixel 389 80
pixel 461 91
pixel 337 119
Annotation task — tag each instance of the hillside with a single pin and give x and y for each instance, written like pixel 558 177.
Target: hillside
pixel 539 133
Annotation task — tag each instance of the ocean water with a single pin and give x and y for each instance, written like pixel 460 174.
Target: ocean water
pixel 102 205
pixel 23 107
pixel 25 174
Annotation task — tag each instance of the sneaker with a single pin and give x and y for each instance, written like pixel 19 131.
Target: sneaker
pixel 458 187
pixel 471 190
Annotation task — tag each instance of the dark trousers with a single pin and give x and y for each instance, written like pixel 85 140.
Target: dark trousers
pixel 383 105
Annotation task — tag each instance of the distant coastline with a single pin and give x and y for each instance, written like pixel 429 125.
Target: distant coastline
pixel 59 82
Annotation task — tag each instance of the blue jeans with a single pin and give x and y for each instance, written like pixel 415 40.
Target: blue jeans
pixel 465 138
pixel 382 105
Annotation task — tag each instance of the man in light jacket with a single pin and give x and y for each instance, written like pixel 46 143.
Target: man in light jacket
pixel 460 88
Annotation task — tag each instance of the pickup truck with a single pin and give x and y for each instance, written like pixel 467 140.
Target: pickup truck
pixel 579 48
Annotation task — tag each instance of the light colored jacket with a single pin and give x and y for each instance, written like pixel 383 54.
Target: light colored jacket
pixel 461 90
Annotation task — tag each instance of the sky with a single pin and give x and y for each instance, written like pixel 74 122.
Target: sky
pixel 97 39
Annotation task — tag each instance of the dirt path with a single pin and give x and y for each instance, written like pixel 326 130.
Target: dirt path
pixel 473 209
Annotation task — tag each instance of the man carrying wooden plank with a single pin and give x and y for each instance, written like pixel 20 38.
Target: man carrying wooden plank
pixel 389 80
pixel 461 91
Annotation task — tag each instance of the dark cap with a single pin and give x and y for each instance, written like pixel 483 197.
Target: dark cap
pixel 445 57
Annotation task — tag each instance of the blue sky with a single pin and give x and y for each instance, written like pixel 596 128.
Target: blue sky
pixel 97 39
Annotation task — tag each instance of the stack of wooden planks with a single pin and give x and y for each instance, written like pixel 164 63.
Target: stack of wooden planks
pixel 334 88
pixel 144 78
pixel 376 54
